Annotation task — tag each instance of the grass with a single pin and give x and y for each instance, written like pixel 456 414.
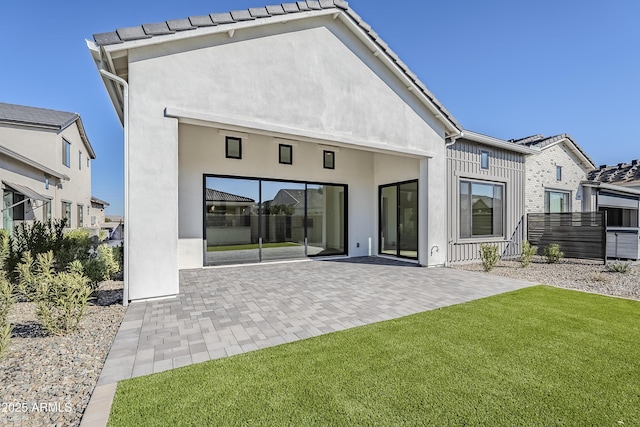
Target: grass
pixel 250 246
pixel 539 356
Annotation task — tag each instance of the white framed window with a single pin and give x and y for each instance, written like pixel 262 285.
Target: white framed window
pixel 482 209
pixel 558 173
pixel 66 153
pixel 66 213
pixel 556 201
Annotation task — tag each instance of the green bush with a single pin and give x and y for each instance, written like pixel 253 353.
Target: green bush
pixel 36 238
pixel 5 335
pixel 489 256
pixel 619 267
pixel 76 245
pixel 101 266
pixel 62 298
pixel 528 251
pixel 553 253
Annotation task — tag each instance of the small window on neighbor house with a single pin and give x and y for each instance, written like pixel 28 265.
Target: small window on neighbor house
pixel 484 159
pixel 47 210
pixel 79 160
pixel 87 161
pixel 46 183
pixel 286 154
pixel 558 173
pixel 233 148
pixel 66 153
pixel 329 160
pixel 66 214
pixel 80 216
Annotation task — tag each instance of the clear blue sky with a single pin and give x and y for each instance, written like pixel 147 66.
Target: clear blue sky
pixel 503 68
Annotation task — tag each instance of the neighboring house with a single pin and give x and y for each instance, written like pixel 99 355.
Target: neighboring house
pixel 96 212
pixel 486 195
pixel 301 95
pixel 45 166
pixel 616 191
pixel 555 174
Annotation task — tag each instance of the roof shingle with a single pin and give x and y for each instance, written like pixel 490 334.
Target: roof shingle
pixel 21 114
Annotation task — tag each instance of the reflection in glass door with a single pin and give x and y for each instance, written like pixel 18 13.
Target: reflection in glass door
pixel 253 220
pixel 399 219
pixel 283 213
pixel 231 221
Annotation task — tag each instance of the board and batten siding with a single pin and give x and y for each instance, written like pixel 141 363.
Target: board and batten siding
pixel 505 167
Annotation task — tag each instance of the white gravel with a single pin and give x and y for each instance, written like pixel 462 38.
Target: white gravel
pixel 583 275
pixel 48 380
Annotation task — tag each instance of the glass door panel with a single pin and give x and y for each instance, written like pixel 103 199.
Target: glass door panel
pixel 231 221
pixel 408 219
pixel 283 216
pixel 389 220
pixel 325 220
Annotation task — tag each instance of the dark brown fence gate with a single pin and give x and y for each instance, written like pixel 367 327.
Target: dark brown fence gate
pixel 579 234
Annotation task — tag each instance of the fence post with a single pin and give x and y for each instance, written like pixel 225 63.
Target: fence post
pixel 604 235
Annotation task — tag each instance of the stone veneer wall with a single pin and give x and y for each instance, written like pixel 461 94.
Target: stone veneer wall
pixel 541 176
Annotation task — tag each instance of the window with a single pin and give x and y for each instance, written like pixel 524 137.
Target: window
pixel 66 213
pixel 329 160
pixel 47 210
pixel 620 217
pixel 87 162
pixel 557 201
pixel 46 183
pixel 80 216
pixel 558 173
pixel 484 159
pixel 481 209
pixel 233 148
pixel 286 154
pixel 79 160
pixel 66 153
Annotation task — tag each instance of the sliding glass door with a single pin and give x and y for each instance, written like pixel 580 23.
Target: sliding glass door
pixel 399 219
pixel 253 220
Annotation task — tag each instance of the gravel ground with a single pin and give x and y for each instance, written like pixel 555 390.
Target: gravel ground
pixel 47 380
pixel 589 276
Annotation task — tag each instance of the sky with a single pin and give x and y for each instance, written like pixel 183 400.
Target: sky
pixel 507 69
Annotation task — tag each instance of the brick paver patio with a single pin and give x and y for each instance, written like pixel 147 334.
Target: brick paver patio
pixel 225 311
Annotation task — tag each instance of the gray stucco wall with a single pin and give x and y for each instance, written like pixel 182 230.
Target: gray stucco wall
pixel 505 167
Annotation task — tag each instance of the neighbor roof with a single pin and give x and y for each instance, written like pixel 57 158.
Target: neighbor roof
pixel 266 14
pixel 622 173
pixel 22 115
pixel 541 142
pixel 220 196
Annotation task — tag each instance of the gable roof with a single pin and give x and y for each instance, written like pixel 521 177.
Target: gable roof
pixel 21 115
pixel 168 30
pixel 220 196
pixel 541 142
pixel 296 197
pixel 622 173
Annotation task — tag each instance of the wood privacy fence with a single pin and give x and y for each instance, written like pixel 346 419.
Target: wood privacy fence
pixel 579 234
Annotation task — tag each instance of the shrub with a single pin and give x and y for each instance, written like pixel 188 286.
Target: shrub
pixel 553 253
pixel 4 248
pixel 101 266
pixel 528 251
pixel 36 238
pixel 5 334
pixel 619 267
pixel 76 245
pixel 62 298
pixel 6 301
pixel 489 256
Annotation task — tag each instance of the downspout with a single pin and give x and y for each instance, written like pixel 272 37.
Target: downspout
pixel 453 139
pixel 125 108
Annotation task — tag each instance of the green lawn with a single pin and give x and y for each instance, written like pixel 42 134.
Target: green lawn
pixel 250 246
pixel 539 356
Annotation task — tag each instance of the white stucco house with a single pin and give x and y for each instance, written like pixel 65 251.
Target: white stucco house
pixel 45 166
pixel 303 97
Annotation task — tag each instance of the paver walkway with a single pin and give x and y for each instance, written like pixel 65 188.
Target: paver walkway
pixel 225 311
